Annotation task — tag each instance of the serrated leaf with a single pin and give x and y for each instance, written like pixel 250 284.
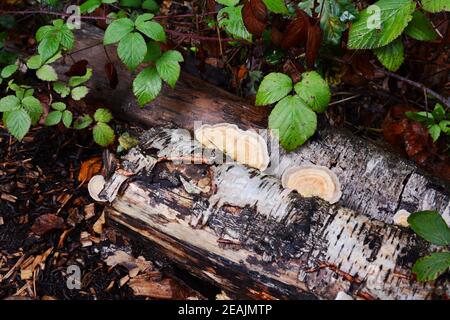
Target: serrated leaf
pixel 67 37
pixel 117 30
pixel 392 55
pixel 435 5
pixel 274 87
pixel 276 6
pixel 61 89
pixel 47 73
pixel 314 90
pixel 83 122
pixel 147 85
pixel 58 106
pixel 168 67
pixel 79 93
pixel 103 134
pixel 438 112
pixel 77 80
pixel 33 107
pixel 230 18
pixel 420 28
pixel 431 226
pixel 293 122
pixel 18 123
pixel 42 32
pixel 9 103
pixel 53 118
pixel 67 118
pixel 89 6
pixel 435 132
pixel 132 50
pixel 8 71
pixel 372 30
pixel 103 115
pixel 35 62
pixel 141 19
pixel 153 30
pixel 48 47
pixel 430 267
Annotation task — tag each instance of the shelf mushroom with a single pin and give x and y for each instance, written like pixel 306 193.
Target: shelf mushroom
pixel 313 180
pixel 401 218
pixel 243 146
pixel 95 186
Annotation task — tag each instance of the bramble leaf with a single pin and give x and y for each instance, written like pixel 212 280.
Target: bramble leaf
pixel 274 87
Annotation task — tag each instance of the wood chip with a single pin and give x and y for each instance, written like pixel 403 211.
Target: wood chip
pixel 8 197
pixel 89 211
pixel 98 225
pixel 2 222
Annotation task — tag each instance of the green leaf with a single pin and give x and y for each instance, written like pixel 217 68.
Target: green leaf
pixel 103 134
pixel 314 90
pixel 67 118
pixel 153 52
pixel 83 122
pixel 33 107
pixel 42 32
pixel 117 30
pixel 150 5
pixel 372 30
pixel 9 103
pixel 103 115
pixel 35 62
pixel 58 106
pixel 53 118
pixel 18 123
pixel 79 93
pixel 293 121
pixel 230 18
pixel 153 30
pixel 8 71
pixel 141 19
pixel 229 3
pixel 48 47
pixel 61 89
pixel 127 141
pixel 445 126
pixel 47 73
pixel 438 112
pixel 274 87
pixel 276 6
pixel 435 131
pixel 132 50
pixel 392 55
pixel 420 28
pixel 67 37
pixel 168 66
pixel 435 5
pixel 421 116
pixel 431 226
pixel 77 80
pixel 89 6
pixel 147 85
pixel 430 267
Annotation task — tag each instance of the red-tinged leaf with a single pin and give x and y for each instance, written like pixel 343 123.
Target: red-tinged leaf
pixel 47 223
pixel 253 25
pixel 313 43
pixel 78 69
pixel 416 139
pixel 296 32
pixel 111 73
pixel 259 10
pixel 276 36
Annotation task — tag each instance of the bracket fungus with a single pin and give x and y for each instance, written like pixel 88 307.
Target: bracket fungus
pixel 401 218
pixel 95 186
pixel 312 180
pixel 244 146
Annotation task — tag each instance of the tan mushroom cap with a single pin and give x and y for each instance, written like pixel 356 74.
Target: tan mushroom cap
pixel 401 218
pixel 246 147
pixel 95 186
pixel 312 180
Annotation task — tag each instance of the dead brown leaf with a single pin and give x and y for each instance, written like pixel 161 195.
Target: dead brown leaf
pixel 89 168
pixel 46 223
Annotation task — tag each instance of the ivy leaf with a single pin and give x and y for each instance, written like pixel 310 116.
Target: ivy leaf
pixel 153 30
pixel 8 71
pixel 430 267
pixel 380 24
pixel 9 103
pixel 47 73
pixel 314 90
pixel 33 107
pixel 147 85
pixel 67 118
pixel 77 80
pixel 435 5
pixel 117 30
pixel 294 121
pixel 103 134
pixel 274 87
pixel 53 118
pixel 420 28
pixel 79 93
pixel 18 123
pixel 132 50
pixel 230 18
pixel 430 226
pixel 61 89
pixel 103 115
pixel 391 56
pixel 35 62
pixel 276 6
pixel 83 122
pixel 168 66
